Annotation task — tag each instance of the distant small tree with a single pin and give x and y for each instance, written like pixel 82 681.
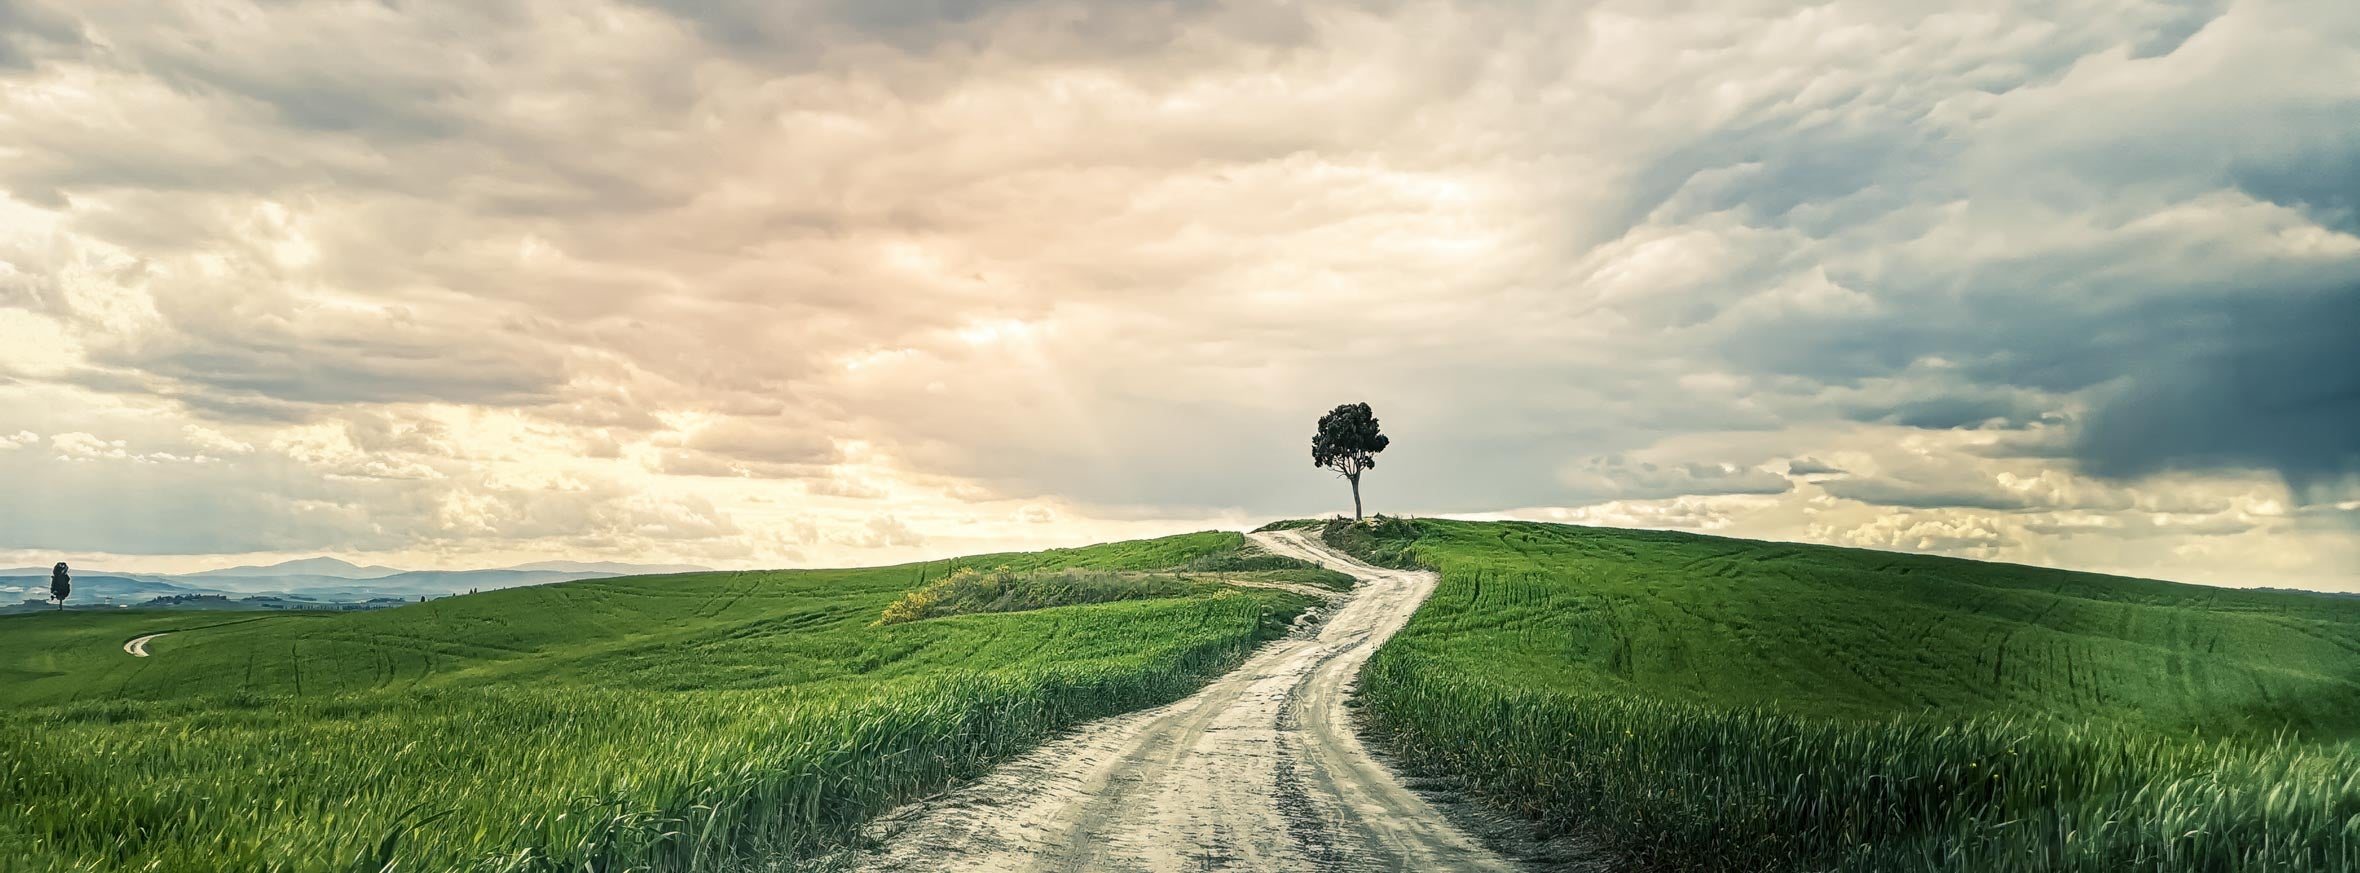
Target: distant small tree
pixel 60 584
pixel 1348 442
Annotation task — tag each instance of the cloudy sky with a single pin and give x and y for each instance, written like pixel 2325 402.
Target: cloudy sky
pixel 754 283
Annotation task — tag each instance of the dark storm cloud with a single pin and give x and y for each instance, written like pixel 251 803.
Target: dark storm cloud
pixel 2246 369
pixel 375 372
pixel 1851 149
pixel 1949 411
pixel 282 372
pixel 1766 171
pixel 2271 381
pixel 2336 519
pixel 2052 323
pixel 1620 478
pixel 2322 179
pixel 1893 492
pixel 2194 356
pixel 799 30
pixel 2175 30
pixel 2186 376
pixel 803 34
pixel 795 32
pixel 1811 467
pixel 29 31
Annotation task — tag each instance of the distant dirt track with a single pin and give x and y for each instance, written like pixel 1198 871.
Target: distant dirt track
pixel 137 646
pixel 1260 770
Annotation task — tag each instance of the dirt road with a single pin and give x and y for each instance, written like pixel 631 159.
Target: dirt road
pixel 138 645
pixel 1260 770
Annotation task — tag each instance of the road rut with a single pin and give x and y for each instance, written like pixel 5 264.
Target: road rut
pixel 1259 770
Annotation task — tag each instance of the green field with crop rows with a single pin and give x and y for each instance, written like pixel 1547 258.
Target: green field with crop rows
pixel 1701 703
pixel 702 721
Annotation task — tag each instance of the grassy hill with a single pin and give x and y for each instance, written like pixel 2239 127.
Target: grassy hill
pixel 697 719
pixel 1698 703
pixel 1718 704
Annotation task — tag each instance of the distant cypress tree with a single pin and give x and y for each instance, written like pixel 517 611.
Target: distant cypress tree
pixel 60 584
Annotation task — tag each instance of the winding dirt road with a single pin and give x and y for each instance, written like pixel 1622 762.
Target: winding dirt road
pixel 1259 770
pixel 138 645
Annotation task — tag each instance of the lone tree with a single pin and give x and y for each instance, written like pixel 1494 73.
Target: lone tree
pixel 60 584
pixel 1348 443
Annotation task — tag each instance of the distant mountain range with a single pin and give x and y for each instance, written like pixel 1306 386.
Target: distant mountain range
pixel 326 580
pixel 306 567
pixel 610 567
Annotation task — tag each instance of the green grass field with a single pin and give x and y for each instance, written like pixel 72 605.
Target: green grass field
pixel 1695 703
pixel 703 721
pixel 1715 704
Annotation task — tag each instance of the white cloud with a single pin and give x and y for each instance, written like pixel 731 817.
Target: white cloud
pixel 680 281
pixel 882 531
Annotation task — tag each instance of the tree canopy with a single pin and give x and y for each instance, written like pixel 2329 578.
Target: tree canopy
pixel 1347 442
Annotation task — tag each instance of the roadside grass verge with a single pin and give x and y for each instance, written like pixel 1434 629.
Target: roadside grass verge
pixel 1684 787
pixel 1697 703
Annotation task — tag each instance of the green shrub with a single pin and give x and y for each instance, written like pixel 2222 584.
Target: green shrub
pixel 1249 562
pixel 1386 541
pixel 968 591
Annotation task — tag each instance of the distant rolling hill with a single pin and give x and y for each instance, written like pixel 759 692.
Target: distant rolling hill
pixel 92 587
pixel 327 580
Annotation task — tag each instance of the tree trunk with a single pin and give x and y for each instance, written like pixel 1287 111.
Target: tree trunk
pixel 1355 498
